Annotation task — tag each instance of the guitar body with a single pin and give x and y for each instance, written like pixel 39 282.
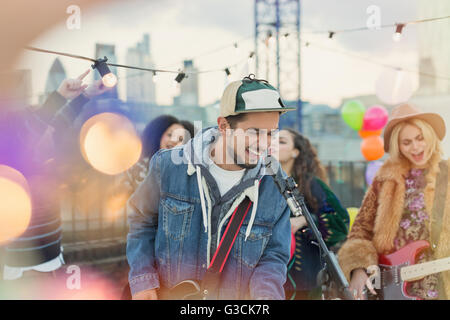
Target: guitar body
pixel 392 287
pixel 185 290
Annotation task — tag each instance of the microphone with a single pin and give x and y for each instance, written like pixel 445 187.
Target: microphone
pixel 332 273
pixel 286 185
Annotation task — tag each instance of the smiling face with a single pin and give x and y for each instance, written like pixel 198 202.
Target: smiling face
pixel 413 145
pixel 172 137
pixel 249 138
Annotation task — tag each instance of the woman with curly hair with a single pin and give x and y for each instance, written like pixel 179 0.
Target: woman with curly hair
pixel 163 132
pixel 299 160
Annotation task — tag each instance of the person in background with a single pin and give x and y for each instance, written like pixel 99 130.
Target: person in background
pixel 298 159
pixel 33 146
pixel 404 204
pixel 189 127
pixel 163 132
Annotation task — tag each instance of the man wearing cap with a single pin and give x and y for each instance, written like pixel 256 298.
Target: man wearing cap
pixel 215 209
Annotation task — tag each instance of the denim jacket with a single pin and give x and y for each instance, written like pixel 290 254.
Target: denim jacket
pixel 177 216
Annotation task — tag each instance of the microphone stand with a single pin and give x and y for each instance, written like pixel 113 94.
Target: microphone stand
pixel 331 276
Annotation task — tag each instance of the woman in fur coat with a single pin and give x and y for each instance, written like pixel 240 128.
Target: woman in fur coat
pixel 397 208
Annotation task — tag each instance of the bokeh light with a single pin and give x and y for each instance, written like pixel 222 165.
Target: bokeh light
pixel 89 284
pixel 15 203
pixel 109 80
pixel 115 204
pixel 110 143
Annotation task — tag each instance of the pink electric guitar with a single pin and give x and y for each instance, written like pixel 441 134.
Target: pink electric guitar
pixel 399 268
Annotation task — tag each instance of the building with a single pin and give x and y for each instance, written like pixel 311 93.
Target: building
pixel 188 87
pixel 434 47
pixel 140 85
pixel 109 51
pixel 434 52
pixel 55 76
pixel 328 133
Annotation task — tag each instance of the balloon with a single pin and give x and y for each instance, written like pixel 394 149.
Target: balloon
pixel 394 87
pixel 372 148
pixel 371 170
pixel 353 114
pixel 364 134
pixel 375 118
pixel 352 212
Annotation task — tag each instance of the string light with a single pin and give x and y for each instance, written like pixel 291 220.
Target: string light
pixel 269 41
pixel 237 50
pixel 109 79
pixel 180 77
pixel 398 32
pixel 227 71
pixel 250 57
pixel 155 77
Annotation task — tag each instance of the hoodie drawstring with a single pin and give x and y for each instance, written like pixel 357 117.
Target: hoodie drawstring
pixel 255 205
pixel 202 198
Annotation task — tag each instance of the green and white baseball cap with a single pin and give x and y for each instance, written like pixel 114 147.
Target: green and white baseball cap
pixel 250 95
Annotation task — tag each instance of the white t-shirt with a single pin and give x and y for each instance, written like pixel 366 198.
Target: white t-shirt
pixel 226 179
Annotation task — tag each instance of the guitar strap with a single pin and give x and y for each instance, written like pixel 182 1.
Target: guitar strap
pixel 437 213
pixel 211 280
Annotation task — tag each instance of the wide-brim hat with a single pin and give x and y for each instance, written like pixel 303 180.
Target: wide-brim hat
pixel 407 111
pixel 250 95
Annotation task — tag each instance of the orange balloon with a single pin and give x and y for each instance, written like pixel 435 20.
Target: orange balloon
pixel 364 134
pixel 372 148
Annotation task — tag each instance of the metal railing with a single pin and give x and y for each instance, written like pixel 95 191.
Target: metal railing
pixel 96 209
pixel 347 181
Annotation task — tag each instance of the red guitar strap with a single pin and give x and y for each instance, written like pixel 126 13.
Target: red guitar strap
pixel 229 236
pixel 211 280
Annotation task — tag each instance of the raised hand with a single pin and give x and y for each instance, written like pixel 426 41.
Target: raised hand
pixel 72 88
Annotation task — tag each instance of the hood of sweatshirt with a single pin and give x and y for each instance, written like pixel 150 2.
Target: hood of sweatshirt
pixel 197 153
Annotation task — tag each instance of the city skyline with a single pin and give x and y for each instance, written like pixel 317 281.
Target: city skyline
pixel 179 33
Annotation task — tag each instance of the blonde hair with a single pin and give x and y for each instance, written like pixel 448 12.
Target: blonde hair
pixel 428 133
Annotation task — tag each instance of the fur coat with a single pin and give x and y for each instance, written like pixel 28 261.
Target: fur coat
pixel 378 220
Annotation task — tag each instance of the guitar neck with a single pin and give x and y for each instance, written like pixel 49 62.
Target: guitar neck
pixel 418 271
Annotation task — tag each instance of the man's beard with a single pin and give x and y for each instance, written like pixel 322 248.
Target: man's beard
pixel 241 163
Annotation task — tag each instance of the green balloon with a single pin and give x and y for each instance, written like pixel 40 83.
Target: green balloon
pixel 353 114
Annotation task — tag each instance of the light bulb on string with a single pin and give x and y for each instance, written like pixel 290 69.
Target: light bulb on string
pixel 398 32
pixel 251 57
pixel 155 77
pixel 284 38
pixel 177 81
pixel 227 72
pixel 270 39
pixel 180 77
pixel 109 79
pixel 237 50
pixel 250 60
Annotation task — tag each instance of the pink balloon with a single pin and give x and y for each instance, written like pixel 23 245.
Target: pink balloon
pixel 375 118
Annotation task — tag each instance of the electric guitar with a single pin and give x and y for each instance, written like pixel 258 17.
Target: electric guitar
pixel 184 290
pixel 397 269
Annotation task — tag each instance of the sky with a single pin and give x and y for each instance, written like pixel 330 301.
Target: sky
pixel 191 29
